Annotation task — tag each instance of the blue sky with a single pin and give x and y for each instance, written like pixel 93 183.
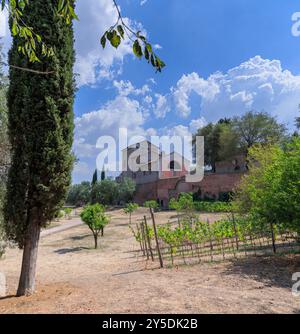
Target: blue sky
pixel 223 58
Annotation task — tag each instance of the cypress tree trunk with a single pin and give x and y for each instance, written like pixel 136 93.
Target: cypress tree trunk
pixel 27 278
pixel 41 134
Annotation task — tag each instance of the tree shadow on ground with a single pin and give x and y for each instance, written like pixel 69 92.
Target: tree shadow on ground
pixel 8 297
pixel 80 237
pixel 269 270
pixel 70 250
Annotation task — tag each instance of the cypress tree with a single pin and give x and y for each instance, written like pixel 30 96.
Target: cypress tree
pixel 95 177
pixel 41 134
pixel 103 174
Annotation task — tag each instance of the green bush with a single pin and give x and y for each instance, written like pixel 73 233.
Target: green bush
pixel 269 195
pixel 212 207
pixel 95 218
pixel 129 209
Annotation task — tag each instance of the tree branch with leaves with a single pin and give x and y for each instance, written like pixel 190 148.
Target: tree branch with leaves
pixel 32 40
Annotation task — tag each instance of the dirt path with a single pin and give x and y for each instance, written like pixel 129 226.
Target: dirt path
pixel 67 225
pixel 74 278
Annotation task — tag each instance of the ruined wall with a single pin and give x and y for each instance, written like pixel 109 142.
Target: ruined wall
pixel 163 190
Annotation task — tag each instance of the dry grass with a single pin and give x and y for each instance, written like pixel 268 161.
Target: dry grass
pixel 74 278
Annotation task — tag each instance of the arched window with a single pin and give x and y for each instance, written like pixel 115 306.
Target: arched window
pixel 174 165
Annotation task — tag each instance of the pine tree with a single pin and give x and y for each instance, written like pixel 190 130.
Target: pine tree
pixel 95 177
pixel 41 134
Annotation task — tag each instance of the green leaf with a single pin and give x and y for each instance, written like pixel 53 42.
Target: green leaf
pixel 147 54
pixel 109 35
pixel 115 40
pixel 159 63
pixel 61 4
pixel 121 31
pixel 137 50
pixel 143 38
pixel 153 61
pixel 103 41
pixel 149 47
pixel 14 28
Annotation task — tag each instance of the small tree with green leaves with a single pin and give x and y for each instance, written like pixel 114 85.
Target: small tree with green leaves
pixel 184 205
pixel 95 218
pixel 68 212
pixel 269 195
pixel 129 209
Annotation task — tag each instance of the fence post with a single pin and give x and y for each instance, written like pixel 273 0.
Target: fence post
pixel 156 239
pixel 210 241
pixel 235 232
pixel 141 243
pixel 273 237
pixel 144 239
pixel 148 238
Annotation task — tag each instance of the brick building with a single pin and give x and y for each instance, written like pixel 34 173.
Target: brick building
pixel 156 182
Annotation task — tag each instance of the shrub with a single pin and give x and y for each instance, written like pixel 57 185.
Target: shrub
pixel 79 194
pixel 269 195
pixel 105 192
pixel 213 207
pixel 68 212
pixel 95 218
pixel 130 208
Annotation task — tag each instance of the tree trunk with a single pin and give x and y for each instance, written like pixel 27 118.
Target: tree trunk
pixel 27 278
pixel 96 241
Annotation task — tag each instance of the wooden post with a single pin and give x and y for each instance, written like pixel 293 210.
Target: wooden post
pixel 148 238
pixel 235 232
pixel 141 244
pixel 210 241
pixel 156 239
pixel 144 240
pixel 273 238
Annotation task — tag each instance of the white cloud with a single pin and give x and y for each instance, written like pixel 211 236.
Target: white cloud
pixel 197 124
pixel 157 47
pixel 258 84
pixel 92 62
pixel 126 88
pixel 122 112
pixel 3 23
pixel 193 83
pixel 143 2
pixel 162 106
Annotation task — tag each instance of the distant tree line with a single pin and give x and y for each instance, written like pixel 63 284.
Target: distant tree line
pixel 104 191
pixel 231 137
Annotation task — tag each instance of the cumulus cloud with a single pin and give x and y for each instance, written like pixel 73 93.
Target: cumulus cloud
pixel 122 112
pixel 259 84
pixel 126 88
pixel 92 62
pixel 3 23
pixel 197 124
pixel 143 2
pixel 162 106
pixel 207 89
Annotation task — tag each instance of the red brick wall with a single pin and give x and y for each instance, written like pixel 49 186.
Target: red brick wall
pixel 164 189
